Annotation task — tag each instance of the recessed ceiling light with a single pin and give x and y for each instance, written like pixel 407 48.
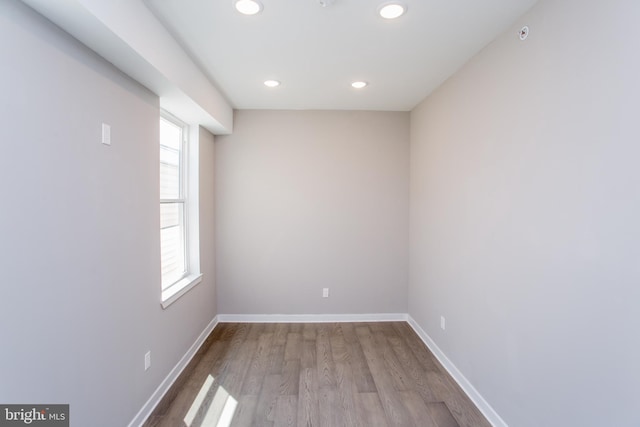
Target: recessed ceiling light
pixel 271 83
pixel 392 10
pixel 248 7
pixel 358 85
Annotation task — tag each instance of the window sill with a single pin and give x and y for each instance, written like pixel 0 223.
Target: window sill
pixel 172 294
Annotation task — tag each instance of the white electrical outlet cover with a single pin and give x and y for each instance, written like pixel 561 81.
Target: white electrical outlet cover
pixel 106 134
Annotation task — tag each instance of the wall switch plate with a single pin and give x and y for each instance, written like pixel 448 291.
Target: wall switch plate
pixel 442 325
pixel 147 360
pixel 325 292
pixel 106 134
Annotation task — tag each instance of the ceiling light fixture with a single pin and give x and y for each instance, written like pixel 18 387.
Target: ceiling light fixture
pixel 271 83
pixel 392 10
pixel 248 7
pixel 359 85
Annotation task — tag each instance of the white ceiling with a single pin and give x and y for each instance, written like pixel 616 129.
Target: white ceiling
pixel 317 52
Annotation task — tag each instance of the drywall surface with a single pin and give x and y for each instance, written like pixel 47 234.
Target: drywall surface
pixel 207 209
pixel 524 217
pixel 79 227
pixel 308 200
pixel 128 35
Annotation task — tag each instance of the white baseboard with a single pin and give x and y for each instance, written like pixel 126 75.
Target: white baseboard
pixel 473 394
pixel 311 318
pixel 157 395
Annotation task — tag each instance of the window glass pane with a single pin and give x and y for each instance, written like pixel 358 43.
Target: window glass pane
pixel 170 215
pixel 172 243
pixel 169 179
pixel 169 156
pixel 170 134
pixel 170 160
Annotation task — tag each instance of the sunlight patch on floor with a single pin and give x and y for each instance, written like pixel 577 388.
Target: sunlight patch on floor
pixel 220 410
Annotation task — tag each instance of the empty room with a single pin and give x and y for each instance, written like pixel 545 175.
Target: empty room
pixel 320 213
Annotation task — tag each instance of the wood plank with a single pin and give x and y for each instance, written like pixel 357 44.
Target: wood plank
pixel 154 421
pixel 276 359
pixel 293 347
pixel 286 411
pixel 349 332
pixel 419 349
pixel 255 330
pixel 234 346
pixel 280 334
pixel 324 359
pixel 223 332
pixel 309 332
pixel 266 408
pixel 179 407
pixel 308 359
pixel 308 410
pixel 361 372
pixel 331 414
pixel 377 327
pixel 198 405
pixel 441 414
pixel 232 377
pixel 347 390
pixel 401 381
pixel 372 414
pixel 395 411
pixel 213 410
pixel 412 367
pixel 258 365
pixel 290 378
pixel 448 391
pixel 339 350
pixel 245 411
pixel 418 409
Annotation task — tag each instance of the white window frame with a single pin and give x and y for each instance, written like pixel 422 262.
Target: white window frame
pixel 190 189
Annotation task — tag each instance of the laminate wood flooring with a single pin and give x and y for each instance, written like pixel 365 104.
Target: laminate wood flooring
pixel 315 374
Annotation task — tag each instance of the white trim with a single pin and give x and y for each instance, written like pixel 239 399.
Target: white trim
pixel 159 393
pixel 473 394
pixel 183 286
pixel 311 318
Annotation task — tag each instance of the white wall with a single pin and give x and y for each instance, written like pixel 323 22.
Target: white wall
pixel 207 209
pixel 79 245
pixel 128 35
pixel 313 199
pixel 524 217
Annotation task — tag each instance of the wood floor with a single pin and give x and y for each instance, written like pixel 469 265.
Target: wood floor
pixel 315 374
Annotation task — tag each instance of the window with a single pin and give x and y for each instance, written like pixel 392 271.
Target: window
pixel 179 274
